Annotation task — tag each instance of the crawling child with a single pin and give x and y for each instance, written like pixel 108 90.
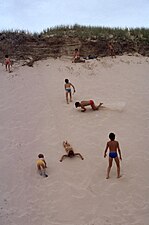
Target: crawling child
pixel 41 165
pixel 70 152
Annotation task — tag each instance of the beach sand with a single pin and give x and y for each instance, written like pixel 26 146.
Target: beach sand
pixel 36 119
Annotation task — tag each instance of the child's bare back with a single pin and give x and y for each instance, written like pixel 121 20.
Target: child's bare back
pixel 113 146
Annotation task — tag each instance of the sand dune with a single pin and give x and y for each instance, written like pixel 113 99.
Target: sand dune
pixel 36 119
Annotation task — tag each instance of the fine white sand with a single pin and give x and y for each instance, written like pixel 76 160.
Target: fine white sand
pixel 36 119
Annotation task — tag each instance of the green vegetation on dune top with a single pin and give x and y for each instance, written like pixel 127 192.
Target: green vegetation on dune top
pixel 86 32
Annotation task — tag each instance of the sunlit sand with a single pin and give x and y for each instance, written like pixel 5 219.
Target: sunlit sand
pixel 35 118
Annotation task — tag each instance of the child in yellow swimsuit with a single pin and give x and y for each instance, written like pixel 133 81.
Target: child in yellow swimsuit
pixel 41 165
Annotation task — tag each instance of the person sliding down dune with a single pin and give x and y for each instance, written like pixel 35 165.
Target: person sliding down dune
pixel 91 103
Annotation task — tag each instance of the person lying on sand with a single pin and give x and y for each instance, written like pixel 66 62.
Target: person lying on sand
pixel 113 146
pixel 91 103
pixel 69 150
pixel 41 165
pixel 68 86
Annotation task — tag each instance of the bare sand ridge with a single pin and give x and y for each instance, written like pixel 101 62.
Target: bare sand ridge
pixel 36 119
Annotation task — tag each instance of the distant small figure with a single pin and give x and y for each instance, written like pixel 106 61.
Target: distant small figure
pixel 113 146
pixel 69 151
pixel 68 86
pixel 7 63
pixel 111 49
pixel 41 165
pixel 92 57
pixel 91 103
pixel 76 57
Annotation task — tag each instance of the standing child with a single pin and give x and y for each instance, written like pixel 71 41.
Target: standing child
pixel 113 146
pixel 68 86
pixel 41 165
pixel 7 63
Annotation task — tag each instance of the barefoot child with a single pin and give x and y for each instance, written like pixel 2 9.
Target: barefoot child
pixel 68 86
pixel 113 146
pixel 91 103
pixel 7 63
pixel 70 152
pixel 41 165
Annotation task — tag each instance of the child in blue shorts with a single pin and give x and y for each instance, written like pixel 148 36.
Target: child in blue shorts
pixel 68 86
pixel 113 146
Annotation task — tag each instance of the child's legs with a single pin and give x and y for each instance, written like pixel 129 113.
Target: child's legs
pixel 42 169
pixel 6 65
pixel 66 96
pixel 70 96
pixel 93 105
pixel 118 166
pixel 9 67
pixel 99 105
pixel 65 145
pixel 109 167
pixel 39 167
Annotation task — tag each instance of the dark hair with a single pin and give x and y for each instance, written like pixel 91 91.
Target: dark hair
pixel 76 49
pixel 66 81
pixel 6 56
pixel 77 104
pixel 112 136
pixel 70 153
pixel 41 156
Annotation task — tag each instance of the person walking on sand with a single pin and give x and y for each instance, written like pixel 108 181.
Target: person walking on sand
pixel 113 146
pixel 91 103
pixel 70 152
pixel 41 165
pixel 68 86
pixel 7 63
